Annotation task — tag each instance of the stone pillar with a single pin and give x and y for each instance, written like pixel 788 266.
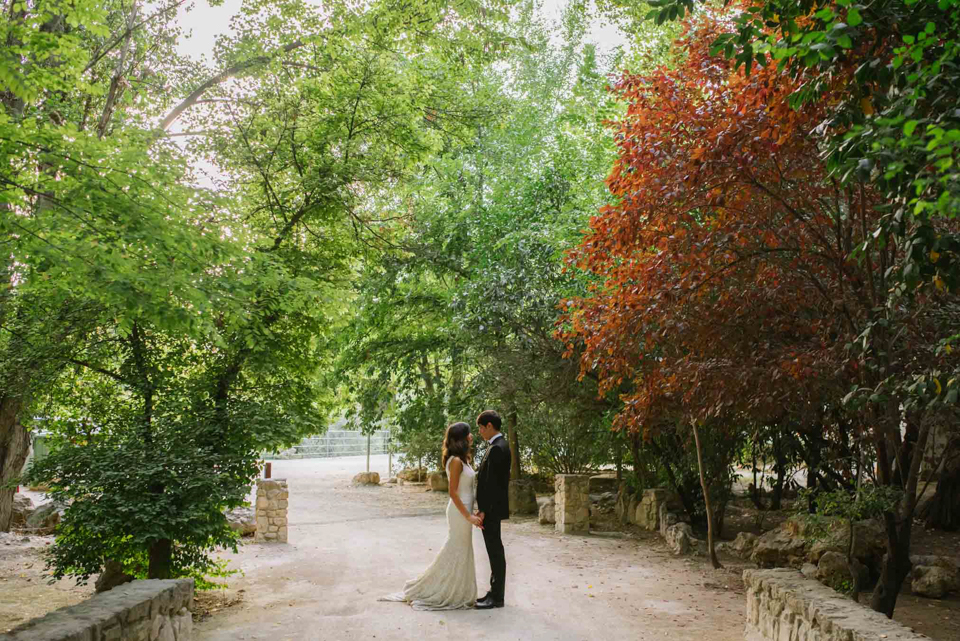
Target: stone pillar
pixel 572 503
pixel 272 496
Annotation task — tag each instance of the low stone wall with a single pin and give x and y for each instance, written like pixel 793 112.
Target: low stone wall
pixel 783 605
pixel 139 611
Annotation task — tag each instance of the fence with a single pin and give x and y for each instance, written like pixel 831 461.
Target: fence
pixel 338 443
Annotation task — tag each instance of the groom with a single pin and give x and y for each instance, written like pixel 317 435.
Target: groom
pixel 493 478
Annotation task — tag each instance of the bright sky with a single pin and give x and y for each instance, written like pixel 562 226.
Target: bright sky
pixel 204 23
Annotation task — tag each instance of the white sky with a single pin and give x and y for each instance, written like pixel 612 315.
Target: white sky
pixel 203 23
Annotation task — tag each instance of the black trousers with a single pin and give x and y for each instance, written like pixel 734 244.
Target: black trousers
pixel 498 562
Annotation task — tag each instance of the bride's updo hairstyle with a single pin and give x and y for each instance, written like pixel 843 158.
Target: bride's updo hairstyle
pixel 455 443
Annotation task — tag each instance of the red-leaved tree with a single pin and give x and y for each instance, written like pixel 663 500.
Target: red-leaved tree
pixel 734 277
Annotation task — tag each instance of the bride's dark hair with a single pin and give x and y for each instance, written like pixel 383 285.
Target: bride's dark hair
pixel 455 443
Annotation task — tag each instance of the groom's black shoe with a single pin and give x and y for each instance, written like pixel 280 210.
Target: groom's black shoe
pixel 488 603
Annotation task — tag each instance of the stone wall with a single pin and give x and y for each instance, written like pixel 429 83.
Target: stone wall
pixel 783 605
pixel 272 497
pixel 139 611
pixel 572 503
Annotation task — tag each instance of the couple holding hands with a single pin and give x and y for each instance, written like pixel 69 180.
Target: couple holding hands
pixel 450 582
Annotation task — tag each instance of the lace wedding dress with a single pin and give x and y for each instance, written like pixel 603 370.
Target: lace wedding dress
pixel 450 582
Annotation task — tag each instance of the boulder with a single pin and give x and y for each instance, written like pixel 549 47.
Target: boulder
pixel 242 520
pixel 412 475
pixel 623 506
pixel 22 509
pixel 744 544
pixel 632 509
pixel 438 482
pixel 112 576
pixel 780 548
pixel 548 511
pixel 522 497
pixel 809 570
pixel 45 519
pixel 869 542
pixel 602 483
pixel 667 519
pixel 647 514
pixel 932 582
pixel 833 570
pixel 367 478
pixel 949 563
pixel 680 538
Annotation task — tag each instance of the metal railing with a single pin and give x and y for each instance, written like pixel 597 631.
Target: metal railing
pixel 338 443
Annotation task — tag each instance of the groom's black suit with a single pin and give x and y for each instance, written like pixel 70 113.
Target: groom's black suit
pixel 493 480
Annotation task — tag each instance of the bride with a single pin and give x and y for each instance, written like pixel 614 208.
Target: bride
pixel 450 582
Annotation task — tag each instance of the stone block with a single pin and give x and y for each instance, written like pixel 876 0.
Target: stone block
pixel 547 512
pixel 112 633
pixel 522 497
pixel 572 500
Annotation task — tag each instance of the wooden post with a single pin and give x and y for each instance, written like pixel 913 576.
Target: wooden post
pixel 268 470
pixel 389 456
pixel 368 453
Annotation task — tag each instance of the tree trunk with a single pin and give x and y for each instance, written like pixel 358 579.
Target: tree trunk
pixel 706 500
pixel 943 510
pixel 14 446
pixel 896 567
pixel 512 421
pixel 899 524
pixel 780 467
pixel 637 463
pixel 161 559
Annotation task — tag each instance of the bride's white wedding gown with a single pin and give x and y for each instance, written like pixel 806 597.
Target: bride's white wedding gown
pixel 450 582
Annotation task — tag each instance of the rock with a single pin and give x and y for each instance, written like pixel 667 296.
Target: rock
pixel 112 576
pixel 680 538
pixel 951 564
pixel 667 519
pixel 623 505
pixel 744 544
pixel 869 542
pixel 809 570
pixel 438 482
pixel 932 582
pixel 602 483
pixel 367 478
pixel 548 511
pixel 522 497
pixel 45 519
pixel 632 509
pixel 412 475
pixel 22 509
pixel 647 513
pixel 392 480
pixel 779 548
pixel 242 520
pixel 834 571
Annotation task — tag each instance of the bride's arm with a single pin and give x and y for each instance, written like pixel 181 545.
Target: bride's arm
pixel 456 468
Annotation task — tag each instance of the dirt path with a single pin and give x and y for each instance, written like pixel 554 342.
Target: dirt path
pixel 349 545
pixel 24 589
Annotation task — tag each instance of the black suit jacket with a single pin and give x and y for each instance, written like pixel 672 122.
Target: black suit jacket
pixel 493 479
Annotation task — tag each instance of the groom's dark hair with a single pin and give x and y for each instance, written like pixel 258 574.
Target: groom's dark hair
pixel 489 416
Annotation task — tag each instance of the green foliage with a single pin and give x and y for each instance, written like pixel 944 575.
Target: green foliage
pixel 869 502
pixel 457 315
